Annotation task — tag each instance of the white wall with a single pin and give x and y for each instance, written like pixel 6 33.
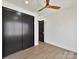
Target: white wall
pixel 14 7
pixel 60 29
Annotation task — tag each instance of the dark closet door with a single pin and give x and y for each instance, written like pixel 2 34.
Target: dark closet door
pixel 28 31
pixel 12 31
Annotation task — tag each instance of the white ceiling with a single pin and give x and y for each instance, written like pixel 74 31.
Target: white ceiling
pixel 35 5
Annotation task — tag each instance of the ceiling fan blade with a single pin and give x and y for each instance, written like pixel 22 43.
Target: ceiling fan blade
pixel 54 7
pixel 42 8
pixel 47 3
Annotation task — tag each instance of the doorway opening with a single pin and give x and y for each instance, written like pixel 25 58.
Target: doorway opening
pixel 41 31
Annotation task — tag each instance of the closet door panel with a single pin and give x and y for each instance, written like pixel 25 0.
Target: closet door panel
pixel 12 31
pixel 28 31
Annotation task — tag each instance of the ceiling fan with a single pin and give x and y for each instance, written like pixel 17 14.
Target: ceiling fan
pixel 48 5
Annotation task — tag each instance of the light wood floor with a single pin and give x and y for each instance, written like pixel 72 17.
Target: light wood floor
pixel 43 51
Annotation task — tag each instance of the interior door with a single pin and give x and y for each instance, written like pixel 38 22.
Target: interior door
pixel 28 30
pixel 12 31
pixel 41 31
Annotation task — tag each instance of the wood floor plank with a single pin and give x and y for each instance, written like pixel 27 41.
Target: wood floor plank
pixel 43 51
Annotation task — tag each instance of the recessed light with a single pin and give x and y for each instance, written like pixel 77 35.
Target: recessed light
pixel 26 2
